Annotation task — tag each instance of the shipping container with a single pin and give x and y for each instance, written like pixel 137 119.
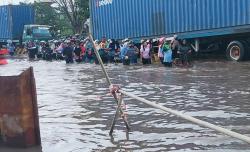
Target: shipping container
pixel 146 18
pixel 12 21
pixel 190 19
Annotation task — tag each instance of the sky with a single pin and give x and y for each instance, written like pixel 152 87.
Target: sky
pixel 5 2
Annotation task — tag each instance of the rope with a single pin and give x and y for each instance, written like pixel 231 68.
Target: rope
pixel 189 118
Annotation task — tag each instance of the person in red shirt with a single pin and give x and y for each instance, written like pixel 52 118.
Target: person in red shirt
pixel 3 51
pixel 83 52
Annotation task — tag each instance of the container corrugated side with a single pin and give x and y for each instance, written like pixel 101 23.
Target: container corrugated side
pixel 144 18
pixel 12 20
pixel 21 15
pixel 5 28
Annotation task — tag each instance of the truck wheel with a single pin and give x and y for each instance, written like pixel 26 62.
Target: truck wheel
pixel 235 51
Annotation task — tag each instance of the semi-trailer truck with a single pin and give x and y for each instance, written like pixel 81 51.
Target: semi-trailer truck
pixel 17 25
pixel 209 25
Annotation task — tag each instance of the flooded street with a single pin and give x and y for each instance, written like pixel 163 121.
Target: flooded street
pixel 76 109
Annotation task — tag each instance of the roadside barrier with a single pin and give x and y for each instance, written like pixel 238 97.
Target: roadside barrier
pixel 21 51
pixel 119 93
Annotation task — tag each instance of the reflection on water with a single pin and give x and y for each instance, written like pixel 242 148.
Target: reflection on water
pixel 76 110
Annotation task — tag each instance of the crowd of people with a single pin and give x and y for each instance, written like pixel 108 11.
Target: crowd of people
pixel 127 52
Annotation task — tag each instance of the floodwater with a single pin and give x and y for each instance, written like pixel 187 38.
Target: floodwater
pixel 76 109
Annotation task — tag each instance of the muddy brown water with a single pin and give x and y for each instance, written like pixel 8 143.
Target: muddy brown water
pixel 76 110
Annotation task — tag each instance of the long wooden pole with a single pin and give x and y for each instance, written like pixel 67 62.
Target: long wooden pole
pixel 189 118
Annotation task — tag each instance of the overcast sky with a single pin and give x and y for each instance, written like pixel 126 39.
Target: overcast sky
pixel 5 2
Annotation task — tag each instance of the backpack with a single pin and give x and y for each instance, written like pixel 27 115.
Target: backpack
pixel 165 47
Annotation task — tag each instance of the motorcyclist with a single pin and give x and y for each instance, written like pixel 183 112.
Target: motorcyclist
pixel 32 50
pixel 48 52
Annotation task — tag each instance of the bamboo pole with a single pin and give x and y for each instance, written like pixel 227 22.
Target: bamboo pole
pixel 110 84
pixel 116 115
pixel 189 118
pixel 100 61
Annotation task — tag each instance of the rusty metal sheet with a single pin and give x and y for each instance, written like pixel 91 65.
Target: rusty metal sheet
pixel 19 122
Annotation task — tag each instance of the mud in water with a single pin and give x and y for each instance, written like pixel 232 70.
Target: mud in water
pixel 76 110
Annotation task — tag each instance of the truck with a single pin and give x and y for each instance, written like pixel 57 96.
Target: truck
pixel 208 25
pixel 17 25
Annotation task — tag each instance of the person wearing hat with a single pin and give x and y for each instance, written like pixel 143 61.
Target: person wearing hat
pixel 131 54
pixel 142 41
pixel 104 43
pixel 104 50
pixel 174 45
pixel 114 49
pixel 32 50
pixel 160 49
pixel 167 52
pixel 59 51
pixel 96 43
pixel 48 52
pixel 39 49
pixel 145 53
pixel 123 53
pixel 11 48
pixel 52 45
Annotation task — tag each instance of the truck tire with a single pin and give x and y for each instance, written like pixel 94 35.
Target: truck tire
pixel 235 51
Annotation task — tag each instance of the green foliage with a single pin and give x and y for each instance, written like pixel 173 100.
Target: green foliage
pixel 84 11
pixel 45 14
pixel 76 11
pixel 83 6
pixel 67 16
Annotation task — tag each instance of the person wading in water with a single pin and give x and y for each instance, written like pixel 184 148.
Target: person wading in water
pixel 68 53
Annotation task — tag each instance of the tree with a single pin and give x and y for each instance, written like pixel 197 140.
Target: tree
pixel 45 14
pixel 77 12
